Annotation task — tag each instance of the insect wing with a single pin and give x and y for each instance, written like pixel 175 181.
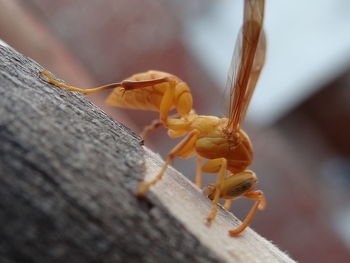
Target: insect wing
pixel 258 64
pixel 247 62
pixel 231 89
pixel 232 74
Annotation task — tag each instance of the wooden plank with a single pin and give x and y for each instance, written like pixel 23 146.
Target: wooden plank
pixel 68 176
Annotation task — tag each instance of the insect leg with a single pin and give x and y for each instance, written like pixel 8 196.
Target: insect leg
pixel 71 88
pixel 155 124
pixel 260 203
pixel 227 204
pixel 219 183
pixel 125 84
pixel 184 149
pixel 199 171
pixel 258 196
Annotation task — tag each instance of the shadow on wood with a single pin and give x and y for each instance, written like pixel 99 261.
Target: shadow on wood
pixel 68 176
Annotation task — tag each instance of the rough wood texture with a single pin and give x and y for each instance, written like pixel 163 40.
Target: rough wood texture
pixel 68 173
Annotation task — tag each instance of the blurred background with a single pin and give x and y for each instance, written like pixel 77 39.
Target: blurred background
pixel 298 121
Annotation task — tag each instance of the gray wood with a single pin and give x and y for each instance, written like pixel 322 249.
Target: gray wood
pixel 68 173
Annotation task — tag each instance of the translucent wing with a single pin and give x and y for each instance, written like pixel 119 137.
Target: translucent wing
pixel 247 62
pixel 258 64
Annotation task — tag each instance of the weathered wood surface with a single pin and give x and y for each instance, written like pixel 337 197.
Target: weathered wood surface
pixel 67 177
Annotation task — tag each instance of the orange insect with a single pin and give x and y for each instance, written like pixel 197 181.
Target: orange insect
pixel 220 140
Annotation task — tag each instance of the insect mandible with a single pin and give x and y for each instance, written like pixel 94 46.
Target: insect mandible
pixel 221 141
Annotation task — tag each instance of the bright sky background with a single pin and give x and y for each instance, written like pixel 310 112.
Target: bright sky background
pixel 308 45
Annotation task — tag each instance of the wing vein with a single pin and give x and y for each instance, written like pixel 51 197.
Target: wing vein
pixel 247 62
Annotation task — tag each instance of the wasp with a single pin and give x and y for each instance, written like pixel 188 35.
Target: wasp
pixel 226 148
